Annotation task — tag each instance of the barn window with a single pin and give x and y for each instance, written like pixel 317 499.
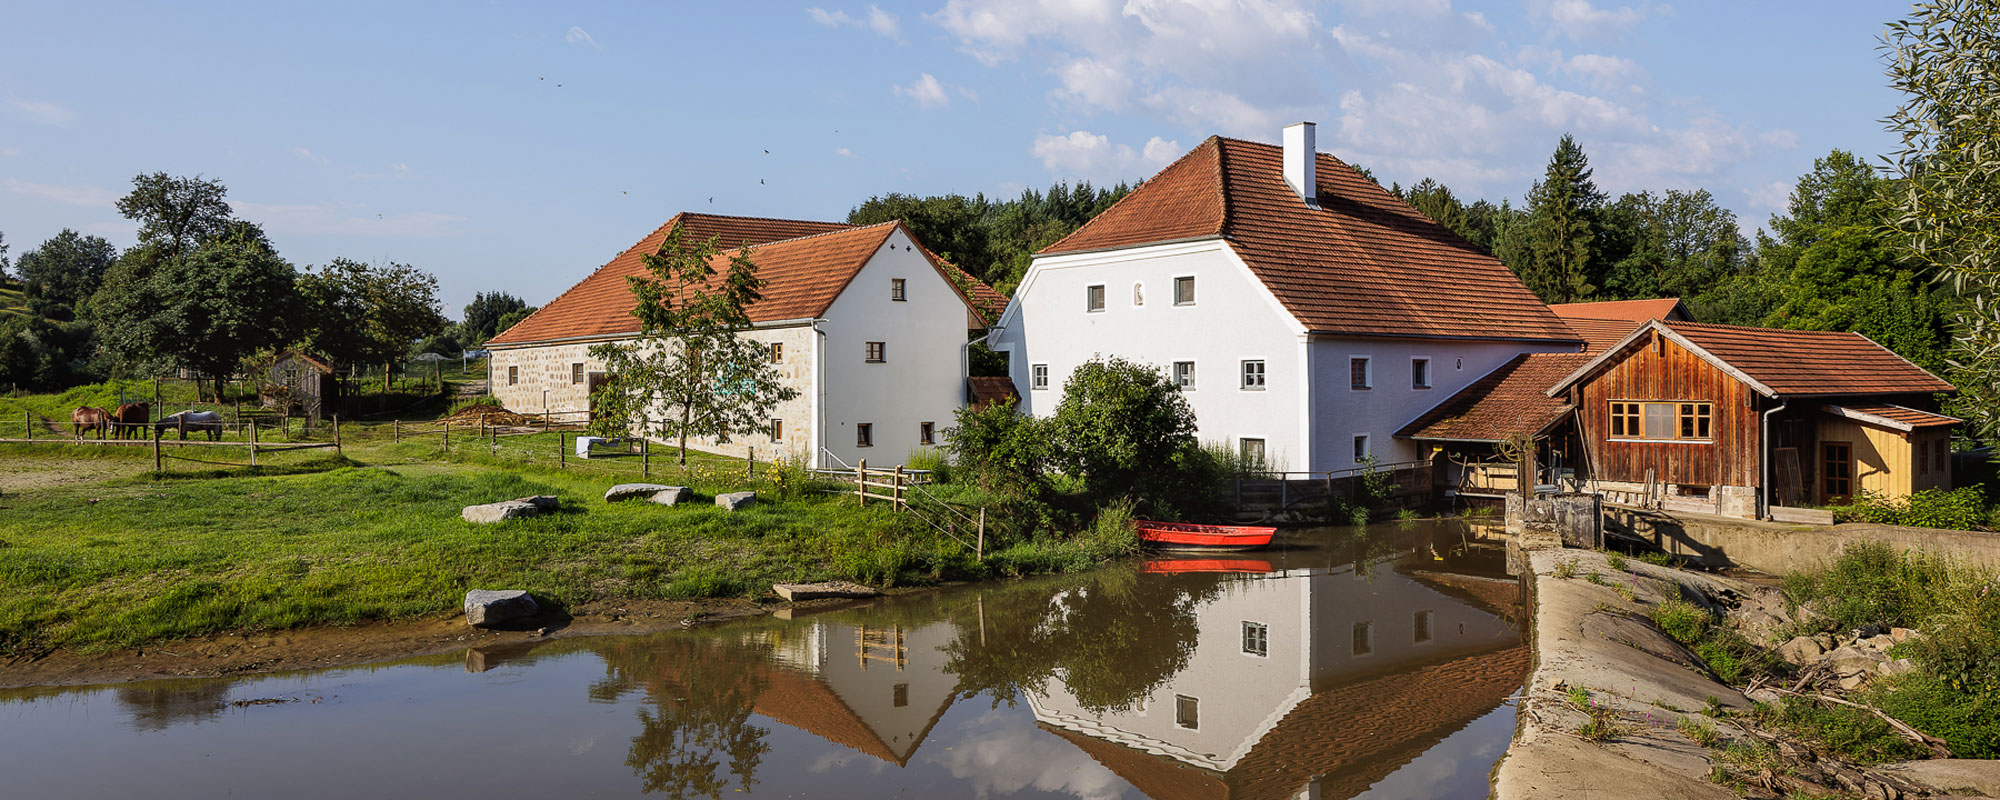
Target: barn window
pixel 1624 419
pixel 1695 419
pixel 1662 421
pixel 777 429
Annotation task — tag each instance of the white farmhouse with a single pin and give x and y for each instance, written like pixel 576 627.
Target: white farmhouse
pixel 1307 312
pixel 864 322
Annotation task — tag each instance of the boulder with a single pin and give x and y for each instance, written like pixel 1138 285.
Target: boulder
pixel 733 501
pixel 498 512
pixel 1878 642
pixel 543 503
pixel 1800 650
pixel 673 496
pixel 1901 635
pixel 485 608
pixel 796 592
pixel 634 491
pixel 1764 695
pixel 1896 666
pixel 1850 661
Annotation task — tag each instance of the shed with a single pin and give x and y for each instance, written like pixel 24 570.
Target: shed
pixel 295 381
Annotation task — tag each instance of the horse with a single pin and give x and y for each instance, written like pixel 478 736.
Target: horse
pixel 89 418
pixel 207 422
pixel 130 417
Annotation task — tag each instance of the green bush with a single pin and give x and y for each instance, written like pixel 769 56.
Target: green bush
pixel 1961 509
pixel 1851 732
pixel 1968 723
pixel 1684 621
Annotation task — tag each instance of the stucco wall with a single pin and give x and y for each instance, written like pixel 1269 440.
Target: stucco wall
pixel 1341 412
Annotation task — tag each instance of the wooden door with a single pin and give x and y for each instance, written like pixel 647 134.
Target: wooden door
pixel 1836 460
pixel 593 381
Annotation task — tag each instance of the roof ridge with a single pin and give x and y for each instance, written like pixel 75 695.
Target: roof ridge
pixel 848 229
pixel 1135 192
pixel 759 219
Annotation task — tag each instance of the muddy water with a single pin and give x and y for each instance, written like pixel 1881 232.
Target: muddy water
pixel 1342 664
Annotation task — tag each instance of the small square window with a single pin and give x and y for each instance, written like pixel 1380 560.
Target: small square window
pixel 877 352
pixel 1256 638
pixel 1252 451
pixel 864 434
pixel 1360 448
pixel 896 289
pixel 1357 373
pixel 1420 373
pixel 1094 298
pixel 576 373
pixel 1187 712
pixel 777 352
pixel 1184 290
pixel 1038 376
pixel 1184 374
pixel 927 432
pixel 1364 638
pixel 1253 375
pixel 1423 627
pixel 513 375
pixel 777 429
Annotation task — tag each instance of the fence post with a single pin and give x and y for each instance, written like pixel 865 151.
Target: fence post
pixel 336 433
pixel 645 457
pixel 749 463
pixel 899 488
pixel 28 424
pixel 253 443
pixel 447 436
pixel 979 553
pixel 562 455
pixel 156 453
pixel 861 481
pixel 396 425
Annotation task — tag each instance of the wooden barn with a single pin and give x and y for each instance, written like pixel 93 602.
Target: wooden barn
pixel 301 383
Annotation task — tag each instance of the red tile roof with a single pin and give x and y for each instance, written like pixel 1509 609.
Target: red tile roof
pixel 1599 334
pixel 1788 363
pixel 804 266
pixel 987 390
pixel 1633 311
pixel 1892 416
pixel 1510 401
pixel 1364 263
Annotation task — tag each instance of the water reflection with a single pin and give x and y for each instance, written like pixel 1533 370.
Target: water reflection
pixel 1325 668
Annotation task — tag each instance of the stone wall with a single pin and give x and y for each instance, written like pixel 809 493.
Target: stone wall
pixel 1778 548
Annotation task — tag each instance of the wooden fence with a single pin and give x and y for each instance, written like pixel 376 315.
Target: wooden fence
pixel 904 490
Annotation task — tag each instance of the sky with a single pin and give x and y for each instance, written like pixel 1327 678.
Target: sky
pixel 516 146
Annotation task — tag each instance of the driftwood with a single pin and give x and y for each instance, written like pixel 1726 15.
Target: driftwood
pixel 1937 746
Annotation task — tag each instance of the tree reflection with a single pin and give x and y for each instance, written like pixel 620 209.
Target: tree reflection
pixel 160 705
pixel 1113 637
pixel 695 738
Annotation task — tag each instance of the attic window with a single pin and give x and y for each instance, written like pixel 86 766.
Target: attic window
pixel 896 286
pixel 1184 290
pixel 1094 298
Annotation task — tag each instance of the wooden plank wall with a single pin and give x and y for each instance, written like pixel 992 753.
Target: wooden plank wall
pixel 1643 373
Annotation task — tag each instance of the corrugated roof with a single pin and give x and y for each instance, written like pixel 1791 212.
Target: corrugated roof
pixel 1363 263
pixel 1786 363
pixel 1510 401
pixel 1633 311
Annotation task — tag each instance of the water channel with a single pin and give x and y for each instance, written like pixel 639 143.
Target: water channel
pixel 1345 663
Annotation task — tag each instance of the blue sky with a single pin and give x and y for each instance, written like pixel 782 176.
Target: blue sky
pixel 518 146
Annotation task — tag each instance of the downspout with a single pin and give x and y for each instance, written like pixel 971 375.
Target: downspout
pixel 1764 459
pixel 819 393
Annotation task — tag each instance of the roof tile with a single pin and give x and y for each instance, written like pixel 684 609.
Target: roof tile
pixel 1510 401
pixel 1811 362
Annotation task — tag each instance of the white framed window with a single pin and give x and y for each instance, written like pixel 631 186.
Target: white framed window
pixel 1256 638
pixel 1360 448
pixel 878 352
pixel 1184 374
pixel 1184 290
pixel 777 352
pixel 927 433
pixel 1252 451
pixel 897 286
pixel 1360 373
pixel 1253 374
pixel 1187 712
pixel 1038 376
pixel 513 375
pixel 1420 372
pixel 777 429
pixel 576 373
pixel 1093 297
pixel 864 434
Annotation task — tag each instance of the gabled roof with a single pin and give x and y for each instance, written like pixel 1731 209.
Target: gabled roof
pixel 1599 334
pixel 1633 311
pixel 1891 416
pixel 989 390
pixel 802 275
pixel 1510 401
pixel 1363 263
pixel 316 363
pixel 1782 363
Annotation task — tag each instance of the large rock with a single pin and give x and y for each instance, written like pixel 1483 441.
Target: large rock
pixel 673 496
pixel 543 503
pixel 1800 650
pixel 498 512
pixel 1899 666
pixel 634 491
pixel 796 592
pixel 485 608
pixel 734 501
pixel 1851 661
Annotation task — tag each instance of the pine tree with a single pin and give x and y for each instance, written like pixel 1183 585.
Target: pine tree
pixel 1562 227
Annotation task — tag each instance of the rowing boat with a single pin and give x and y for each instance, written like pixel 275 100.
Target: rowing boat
pixel 1202 538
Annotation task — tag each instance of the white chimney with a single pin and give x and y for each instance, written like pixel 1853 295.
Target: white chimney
pixel 1301 162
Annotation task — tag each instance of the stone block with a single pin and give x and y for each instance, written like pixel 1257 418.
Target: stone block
pixel 499 512
pixel 485 608
pixel 1736 501
pixel 735 501
pixel 673 496
pixel 634 491
pixel 821 591
pixel 1854 661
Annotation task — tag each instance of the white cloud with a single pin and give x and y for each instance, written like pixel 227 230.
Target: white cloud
pixel 577 35
pixel 877 20
pixel 43 112
pixel 332 220
pixel 926 91
pixel 70 195
pixel 1581 21
pixel 845 153
pixel 399 167
pixel 309 155
pixel 10 152
pixel 1092 156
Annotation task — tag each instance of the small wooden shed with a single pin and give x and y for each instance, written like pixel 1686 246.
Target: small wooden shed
pixel 299 382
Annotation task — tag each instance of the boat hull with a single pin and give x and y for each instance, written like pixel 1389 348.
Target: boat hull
pixel 1188 537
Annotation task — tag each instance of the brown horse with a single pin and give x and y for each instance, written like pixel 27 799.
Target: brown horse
pixel 89 418
pixel 131 419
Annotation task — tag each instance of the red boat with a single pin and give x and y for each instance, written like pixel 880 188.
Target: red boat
pixel 1202 538
pixel 1175 566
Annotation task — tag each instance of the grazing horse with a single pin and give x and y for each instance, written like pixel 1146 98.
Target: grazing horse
pixel 130 417
pixel 207 422
pixel 89 418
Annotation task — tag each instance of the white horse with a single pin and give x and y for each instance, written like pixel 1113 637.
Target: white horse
pixel 207 422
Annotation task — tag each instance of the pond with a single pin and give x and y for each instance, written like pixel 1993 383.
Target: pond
pixel 1370 662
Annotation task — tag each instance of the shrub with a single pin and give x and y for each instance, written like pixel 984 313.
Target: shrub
pixel 932 460
pixel 1851 732
pixel 1959 509
pixel 1682 620
pixel 1616 561
pixel 1698 730
pixel 1968 723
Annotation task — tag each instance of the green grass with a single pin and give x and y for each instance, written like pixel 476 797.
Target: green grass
pixel 1852 733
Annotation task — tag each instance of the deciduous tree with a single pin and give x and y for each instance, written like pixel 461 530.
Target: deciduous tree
pixel 176 213
pixel 65 271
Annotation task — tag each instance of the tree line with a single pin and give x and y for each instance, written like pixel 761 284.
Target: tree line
pixel 207 292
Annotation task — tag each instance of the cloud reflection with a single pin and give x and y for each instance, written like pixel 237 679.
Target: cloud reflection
pixel 994 757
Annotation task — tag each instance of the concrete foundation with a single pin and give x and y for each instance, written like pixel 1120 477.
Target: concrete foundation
pixel 1778 548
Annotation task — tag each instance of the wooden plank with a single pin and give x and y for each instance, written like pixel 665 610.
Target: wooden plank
pixel 1791 486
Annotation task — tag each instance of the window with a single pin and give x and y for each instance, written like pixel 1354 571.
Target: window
pixel 864 434
pixel 1357 373
pixel 900 695
pixel 1253 452
pixel 1184 374
pixel 1253 375
pixel 896 286
pixel 876 352
pixel 1138 294
pixel 576 373
pixel 1038 376
pixel 777 429
pixel 1364 638
pixel 1420 373
pixel 1360 448
pixel 1093 297
pixel 513 375
pixel 1187 712
pixel 1837 467
pixel 1423 627
pixel 927 432
pixel 777 352
pixel 1256 638
pixel 1662 421
pixel 1184 290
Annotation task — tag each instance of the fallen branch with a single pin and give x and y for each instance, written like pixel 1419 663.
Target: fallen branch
pixel 1937 746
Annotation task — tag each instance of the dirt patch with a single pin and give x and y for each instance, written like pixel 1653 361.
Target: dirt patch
pixel 328 646
pixel 494 417
pixel 18 474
